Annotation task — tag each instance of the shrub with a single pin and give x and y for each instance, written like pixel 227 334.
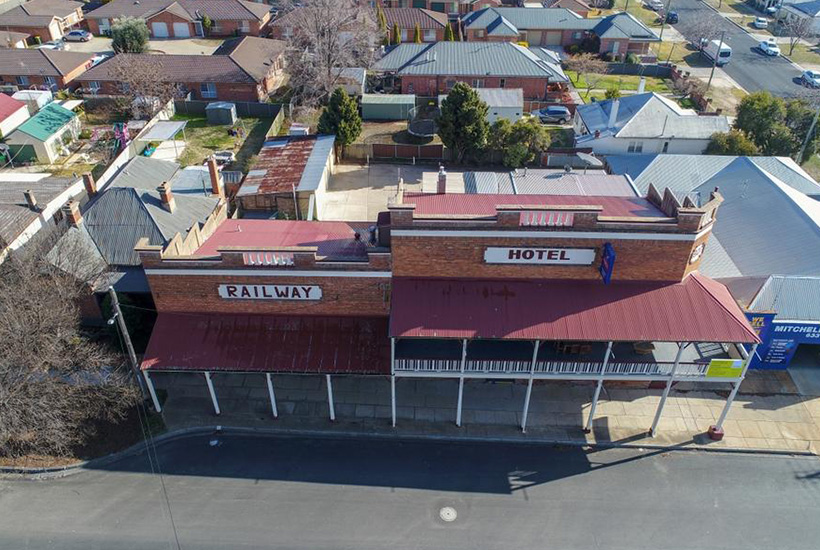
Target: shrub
pixel 612 93
pixel 632 59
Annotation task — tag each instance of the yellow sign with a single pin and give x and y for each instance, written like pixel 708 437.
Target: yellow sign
pixel 725 368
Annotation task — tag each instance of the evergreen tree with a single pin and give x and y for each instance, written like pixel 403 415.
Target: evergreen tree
pixel 462 123
pixel 341 117
pixel 129 35
pixel 417 34
pixel 396 35
pixel 448 33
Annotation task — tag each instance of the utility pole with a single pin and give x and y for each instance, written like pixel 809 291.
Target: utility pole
pixel 670 52
pixel 808 136
pixel 132 357
pixel 714 61
pixel 664 16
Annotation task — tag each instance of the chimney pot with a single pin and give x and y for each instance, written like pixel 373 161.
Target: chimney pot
pixel 90 184
pixel 216 177
pixel 166 196
pixel 441 183
pixel 72 213
pixel 31 200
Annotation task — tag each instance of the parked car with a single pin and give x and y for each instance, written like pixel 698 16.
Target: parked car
pixel 53 45
pixel 654 5
pixel 78 35
pixel 554 113
pixel 224 157
pixel 770 47
pixel 772 10
pixel 99 58
pixel 672 17
pixel 760 23
pixel 810 79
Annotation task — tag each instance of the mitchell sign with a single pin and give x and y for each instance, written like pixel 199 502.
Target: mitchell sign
pixel 569 256
pixel 270 292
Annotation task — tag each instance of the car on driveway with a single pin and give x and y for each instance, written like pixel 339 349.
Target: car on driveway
pixel 78 35
pixel 554 113
pixel 760 23
pixel 810 79
pixel 99 58
pixel 770 47
pixel 672 17
pixel 53 45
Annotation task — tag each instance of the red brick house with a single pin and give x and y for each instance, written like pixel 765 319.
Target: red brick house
pixel 619 34
pixel 46 19
pixel 578 6
pixel 183 18
pixel 433 69
pixel 451 6
pixel 244 69
pixel 42 69
pixel 431 23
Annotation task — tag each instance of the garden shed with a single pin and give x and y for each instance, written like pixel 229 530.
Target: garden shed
pixel 45 136
pixel 387 106
pixel 221 112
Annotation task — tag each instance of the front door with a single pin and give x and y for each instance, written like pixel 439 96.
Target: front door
pixel 198 29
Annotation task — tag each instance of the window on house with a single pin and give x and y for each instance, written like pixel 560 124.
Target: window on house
pixel 50 81
pixel 94 85
pixel 287 32
pixel 635 147
pixel 21 80
pixel 405 35
pixel 502 82
pixel 207 90
pixel 478 83
pixel 449 84
pixel 245 27
pixel 665 146
pixel 479 33
pixel 429 35
pixel 576 35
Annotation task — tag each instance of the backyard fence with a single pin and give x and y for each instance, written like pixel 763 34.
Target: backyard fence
pixel 243 108
pixel 659 71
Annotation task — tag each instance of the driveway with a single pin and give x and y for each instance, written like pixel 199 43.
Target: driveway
pixel 750 68
pixel 245 492
pixel 187 46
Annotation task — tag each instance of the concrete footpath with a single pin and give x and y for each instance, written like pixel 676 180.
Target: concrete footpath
pixel 767 414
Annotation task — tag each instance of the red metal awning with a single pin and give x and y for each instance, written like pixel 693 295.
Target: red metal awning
pixel 695 310
pixel 268 343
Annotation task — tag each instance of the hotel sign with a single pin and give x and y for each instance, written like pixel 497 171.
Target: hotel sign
pixel 539 256
pixel 270 292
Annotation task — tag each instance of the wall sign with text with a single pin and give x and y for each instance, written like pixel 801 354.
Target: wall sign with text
pixel 270 292
pixel 539 256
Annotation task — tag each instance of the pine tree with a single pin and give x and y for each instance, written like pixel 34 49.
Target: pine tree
pixel 448 33
pixel 396 35
pixel 382 20
pixel 462 122
pixel 341 117
pixel 417 34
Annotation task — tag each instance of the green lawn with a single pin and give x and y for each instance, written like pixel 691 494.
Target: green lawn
pixel 636 8
pixel 803 54
pixel 673 52
pixel 620 81
pixel 733 6
pixel 812 166
pixel 203 139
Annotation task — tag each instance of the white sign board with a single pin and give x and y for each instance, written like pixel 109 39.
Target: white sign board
pixel 270 292
pixel 539 256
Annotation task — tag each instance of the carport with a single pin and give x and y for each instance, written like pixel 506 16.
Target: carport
pixel 164 132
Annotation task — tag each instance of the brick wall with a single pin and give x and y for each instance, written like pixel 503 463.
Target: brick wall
pixel 224 91
pixel 534 88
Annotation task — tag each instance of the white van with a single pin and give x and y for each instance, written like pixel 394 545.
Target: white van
pixel 715 50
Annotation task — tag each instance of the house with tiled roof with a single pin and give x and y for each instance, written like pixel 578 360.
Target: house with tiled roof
pixel 448 7
pixel 184 18
pixel 245 69
pixel 46 19
pixel 11 39
pixel 578 6
pixel 433 69
pixel 618 34
pixel 430 23
pixel 42 69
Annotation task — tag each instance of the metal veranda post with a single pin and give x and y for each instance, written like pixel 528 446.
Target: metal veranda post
pixel 330 398
pixel 598 387
pixel 461 382
pixel 393 380
pixel 152 391
pixel 668 387
pixel 735 388
pixel 272 396
pixel 529 387
pixel 212 392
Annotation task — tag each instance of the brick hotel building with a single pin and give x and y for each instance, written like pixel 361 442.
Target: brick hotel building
pixel 602 289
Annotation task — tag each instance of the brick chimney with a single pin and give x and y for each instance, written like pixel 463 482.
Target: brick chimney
pixel 72 213
pixel 216 177
pixel 31 200
pixel 166 196
pixel 90 184
pixel 441 182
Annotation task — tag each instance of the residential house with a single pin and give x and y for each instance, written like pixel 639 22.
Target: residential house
pixel 801 11
pixel 283 27
pixel 12 114
pixel 433 69
pixel 431 23
pixel 618 34
pixel 44 19
pixel 30 203
pixel 41 69
pixel 45 136
pixel 644 123
pixel 503 103
pixel 578 6
pixel 184 18
pixel 244 69
pixel 454 7
pixel 353 80
pixel 294 167
pixel 10 39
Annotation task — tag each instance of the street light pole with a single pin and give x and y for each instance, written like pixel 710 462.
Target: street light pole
pixel 663 17
pixel 799 156
pixel 714 61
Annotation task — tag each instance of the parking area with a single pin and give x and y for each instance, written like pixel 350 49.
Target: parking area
pixel 358 192
pixel 182 46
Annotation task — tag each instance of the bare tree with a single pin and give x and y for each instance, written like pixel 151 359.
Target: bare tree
pixel 703 29
pixel 686 87
pixel 56 381
pixel 797 29
pixel 144 85
pixel 326 37
pixel 588 67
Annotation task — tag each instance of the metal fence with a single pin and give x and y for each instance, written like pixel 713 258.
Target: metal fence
pixel 243 108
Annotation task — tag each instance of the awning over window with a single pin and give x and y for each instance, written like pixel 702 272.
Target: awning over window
pixel 266 343
pixel 695 310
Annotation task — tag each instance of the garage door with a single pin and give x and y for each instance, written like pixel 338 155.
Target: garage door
pixel 552 38
pixel 160 30
pixel 182 30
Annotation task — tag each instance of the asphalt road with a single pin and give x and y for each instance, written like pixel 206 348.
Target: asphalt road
pixel 267 492
pixel 749 67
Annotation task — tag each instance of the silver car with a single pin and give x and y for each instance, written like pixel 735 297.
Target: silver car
pixel 810 79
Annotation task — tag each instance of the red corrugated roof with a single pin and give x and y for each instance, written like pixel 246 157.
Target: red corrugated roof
pixel 695 310
pixel 267 343
pixel 9 106
pixel 279 166
pixel 485 204
pixel 335 240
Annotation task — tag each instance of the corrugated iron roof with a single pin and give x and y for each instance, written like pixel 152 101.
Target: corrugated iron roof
pixel 695 310
pixel 792 298
pixel 267 343
pixel 9 106
pixel 48 121
pixel 485 204
pixel 287 162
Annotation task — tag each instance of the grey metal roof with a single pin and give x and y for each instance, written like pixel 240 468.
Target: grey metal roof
pixel 316 163
pixel 546 182
pixel 144 173
pixel 793 298
pixel 500 97
pixel 77 254
pixel 468 59
pixel 164 129
pixel 526 18
pixel 809 8
pixel 15 215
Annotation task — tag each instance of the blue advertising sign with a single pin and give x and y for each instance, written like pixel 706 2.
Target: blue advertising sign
pixel 607 263
pixel 780 340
